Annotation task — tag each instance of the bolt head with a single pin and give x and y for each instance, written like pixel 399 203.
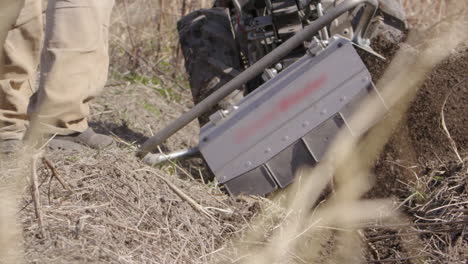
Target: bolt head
pixel 279 66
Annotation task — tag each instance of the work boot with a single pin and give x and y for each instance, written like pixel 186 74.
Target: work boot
pixel 88 138
pixel 10 146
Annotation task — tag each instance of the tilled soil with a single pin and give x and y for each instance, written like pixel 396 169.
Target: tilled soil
pixel 420 169
pixel 420 138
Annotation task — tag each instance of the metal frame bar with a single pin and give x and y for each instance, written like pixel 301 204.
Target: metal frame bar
pixel 257 69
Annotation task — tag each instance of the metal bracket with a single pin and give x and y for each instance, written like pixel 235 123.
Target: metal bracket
pixel 315 47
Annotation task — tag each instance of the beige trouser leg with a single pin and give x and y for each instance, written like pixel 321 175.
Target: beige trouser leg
pixel 10 11
pixel 18 69
pixel 74 64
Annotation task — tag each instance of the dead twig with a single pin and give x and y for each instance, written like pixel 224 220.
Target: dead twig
pixel 29 202
pixel 196 206
pixel 396 259
pixel 136 230
pixel 36 195
pixel 416 233
pixel 115 84
pixel 415 224
pixel 374 252
pixel 55 174
pixel 444 126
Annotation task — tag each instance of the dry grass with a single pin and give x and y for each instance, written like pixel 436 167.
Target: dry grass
pixel 119 212
pixel 144 38
pixel 436 200
pixel 116 212
pixel 423 13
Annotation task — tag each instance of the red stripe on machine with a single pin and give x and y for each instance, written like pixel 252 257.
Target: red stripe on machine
pixel 282 106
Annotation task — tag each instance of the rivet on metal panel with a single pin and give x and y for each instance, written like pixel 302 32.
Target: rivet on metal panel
pixel 323 112
pixel 268 150
pixel 285 138
pixel 365 79
pixel 248 164
pixel 305 124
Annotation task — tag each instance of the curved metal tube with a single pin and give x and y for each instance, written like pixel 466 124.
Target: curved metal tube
pixel 160 158
pixel 255 70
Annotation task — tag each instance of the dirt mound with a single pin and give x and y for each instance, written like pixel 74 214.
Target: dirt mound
pixel 421 170
pixel 420 138
pixel 448 83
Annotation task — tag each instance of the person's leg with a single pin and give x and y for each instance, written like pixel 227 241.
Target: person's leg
pixel 21 53
pixel 74 67
pixel 8 16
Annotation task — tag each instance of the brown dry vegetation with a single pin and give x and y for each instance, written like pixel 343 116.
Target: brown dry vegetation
pixel 114 209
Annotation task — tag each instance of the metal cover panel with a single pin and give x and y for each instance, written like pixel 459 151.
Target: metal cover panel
pixel 255 182
pixel 290 130
pixel 320 137
pixel 283 110
pixel 285 165
pixel 257 103
pixel 348 111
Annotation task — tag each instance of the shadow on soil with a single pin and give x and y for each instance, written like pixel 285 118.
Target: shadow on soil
pixel 120 130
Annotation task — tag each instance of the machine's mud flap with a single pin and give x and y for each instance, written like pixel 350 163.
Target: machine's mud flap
pixel 287 123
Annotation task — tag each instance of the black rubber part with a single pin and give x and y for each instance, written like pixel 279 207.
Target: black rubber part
pixel 393 13
pixel 206 37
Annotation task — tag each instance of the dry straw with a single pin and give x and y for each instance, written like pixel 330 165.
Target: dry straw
pixel 290 231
